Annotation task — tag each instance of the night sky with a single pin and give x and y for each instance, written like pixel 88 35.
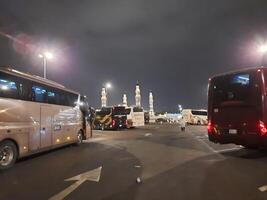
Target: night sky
pixel 171 47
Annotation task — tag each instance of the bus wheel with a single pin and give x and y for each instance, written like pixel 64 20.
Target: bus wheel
pixel 8 154
pixel 79 137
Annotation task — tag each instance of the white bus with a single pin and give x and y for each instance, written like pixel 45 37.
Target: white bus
pixel 135 117
pixel 198 117
pixel 37 115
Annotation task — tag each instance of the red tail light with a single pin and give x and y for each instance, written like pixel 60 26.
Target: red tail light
pixel 209 127
pixel 126 122
pixel 113 122
pixel 263 129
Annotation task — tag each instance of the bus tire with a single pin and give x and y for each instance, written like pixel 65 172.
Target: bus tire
pixel 79 138
pixel 8 154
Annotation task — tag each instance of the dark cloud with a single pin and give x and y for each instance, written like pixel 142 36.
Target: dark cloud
pixel 171 46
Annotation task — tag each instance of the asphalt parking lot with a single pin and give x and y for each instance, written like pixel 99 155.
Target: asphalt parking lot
pixel 152 162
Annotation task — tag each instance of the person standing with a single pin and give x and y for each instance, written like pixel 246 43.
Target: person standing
pixel 182 124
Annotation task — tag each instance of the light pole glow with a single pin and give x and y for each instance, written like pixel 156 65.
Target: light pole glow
pixel 262 49
pixel 48 55
pixel 108 85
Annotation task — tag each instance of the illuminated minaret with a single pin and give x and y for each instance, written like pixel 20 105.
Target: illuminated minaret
pixel 103 97
pixel 137 95
pixel 151 107
pixel 152 118
pixel 124 100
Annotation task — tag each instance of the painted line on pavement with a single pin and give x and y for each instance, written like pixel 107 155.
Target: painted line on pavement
pixel 205 144
pixel 228 150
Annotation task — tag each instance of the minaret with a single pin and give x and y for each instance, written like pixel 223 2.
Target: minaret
pixel 103 97
pixel 124 100
pixel 137 95
pixel 151 107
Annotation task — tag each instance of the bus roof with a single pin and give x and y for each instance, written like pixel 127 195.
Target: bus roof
pixel 36 78
pixel 238 71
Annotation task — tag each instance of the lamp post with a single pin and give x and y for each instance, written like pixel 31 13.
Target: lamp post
pixel 180 108
pixel 45 56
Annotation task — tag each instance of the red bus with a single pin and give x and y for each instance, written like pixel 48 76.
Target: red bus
pixel 237 108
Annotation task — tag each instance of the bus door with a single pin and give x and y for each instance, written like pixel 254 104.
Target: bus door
pixel 46 126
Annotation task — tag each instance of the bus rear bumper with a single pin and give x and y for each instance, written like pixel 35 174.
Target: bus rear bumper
pixel 251 140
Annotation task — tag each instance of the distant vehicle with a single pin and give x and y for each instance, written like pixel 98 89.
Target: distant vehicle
pixel 237 108
pixel 36 115
pixel 173 117
pixel 147 117
pixel 197 117
pixel 161 120
pixel 110 118
pixel 135 117
pixel 119 116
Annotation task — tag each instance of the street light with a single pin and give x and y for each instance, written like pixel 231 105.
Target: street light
pixel 180 108
pixel 45 56
pixel 108 85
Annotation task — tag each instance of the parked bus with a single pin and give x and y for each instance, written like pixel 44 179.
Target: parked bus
pixel 111 118
pixel 135 116
pixel 237 108
pixel 103 118
pixel 36 115
pixel 197 117
pixel 119 116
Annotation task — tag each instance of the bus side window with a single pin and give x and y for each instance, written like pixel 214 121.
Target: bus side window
pixel 72 99
pixel 51 97
pixel 25 92
pixel 39 94
pixel 8 88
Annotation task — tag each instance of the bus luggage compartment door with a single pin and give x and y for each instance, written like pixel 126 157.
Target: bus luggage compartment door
pixel 46 126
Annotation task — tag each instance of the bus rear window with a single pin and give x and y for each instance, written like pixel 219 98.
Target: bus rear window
pixel 234 88
pixel 119 110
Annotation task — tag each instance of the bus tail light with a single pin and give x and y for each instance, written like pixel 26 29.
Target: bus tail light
pixel 126 122
pixel 113 122
pixel 263 129
pixel 209 127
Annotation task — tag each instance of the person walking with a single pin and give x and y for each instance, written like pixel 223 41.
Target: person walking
pixel 182 124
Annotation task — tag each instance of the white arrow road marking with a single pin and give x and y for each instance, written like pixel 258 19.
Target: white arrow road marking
pixel 92 175
pixel 263 188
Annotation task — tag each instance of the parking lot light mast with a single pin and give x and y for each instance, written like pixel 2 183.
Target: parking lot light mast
pixel 45 56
